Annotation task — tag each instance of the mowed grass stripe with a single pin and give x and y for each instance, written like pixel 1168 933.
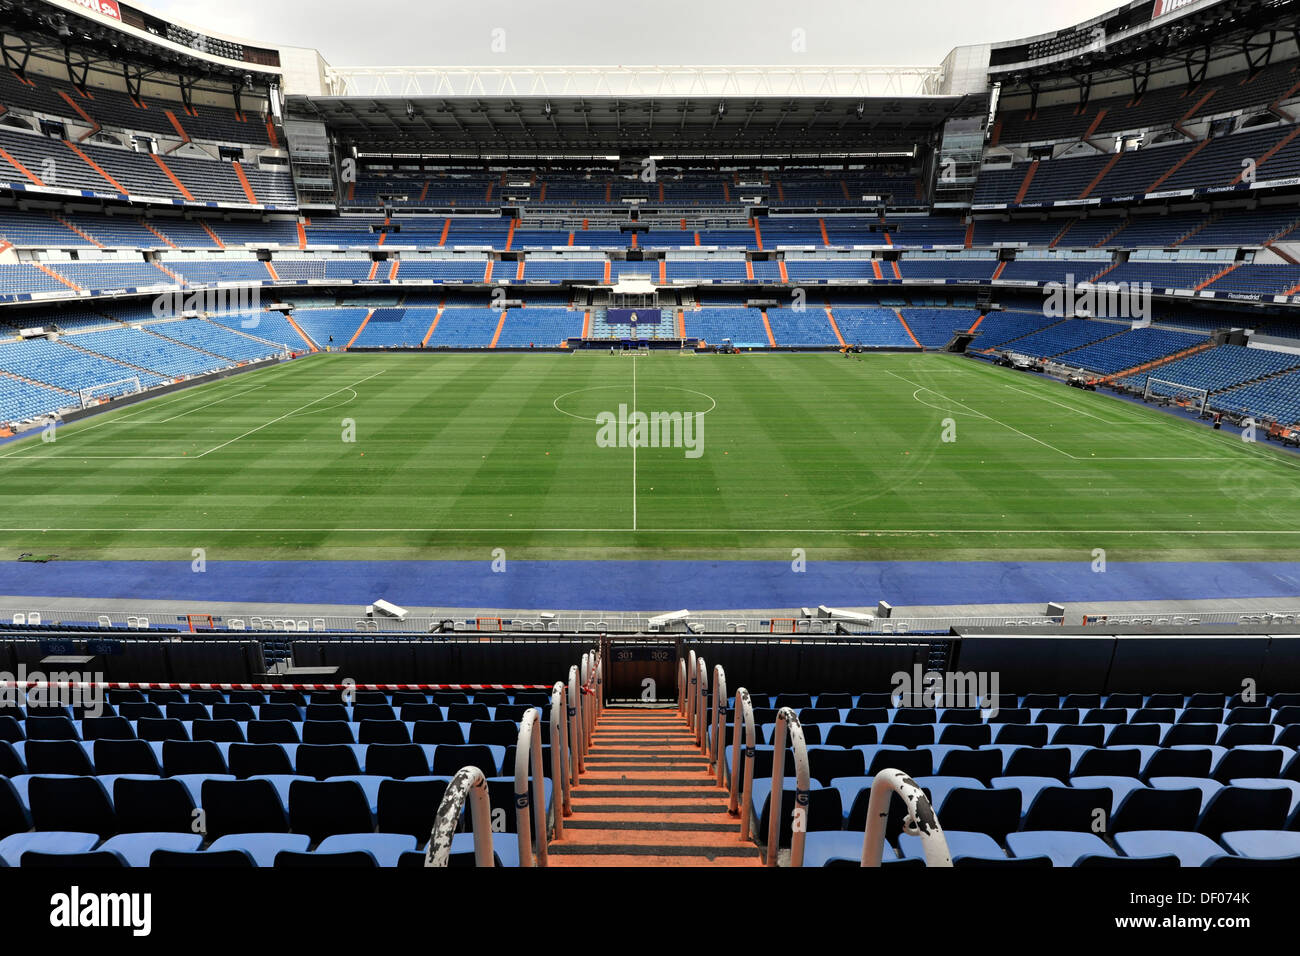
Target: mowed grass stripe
pixel 451 460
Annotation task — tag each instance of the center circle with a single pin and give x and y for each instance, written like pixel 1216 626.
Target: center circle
pixel 647 400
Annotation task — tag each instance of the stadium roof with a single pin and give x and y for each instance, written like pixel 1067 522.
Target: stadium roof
pixel 578 124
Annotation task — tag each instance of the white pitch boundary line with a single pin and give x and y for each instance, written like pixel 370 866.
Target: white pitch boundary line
pixel 149 405
pixel 1154 419
pixel 199 408
pixel 85 457
pixel 927 388
pixel 1046 444
pixel 287 414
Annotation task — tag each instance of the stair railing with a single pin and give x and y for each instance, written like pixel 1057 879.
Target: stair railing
pixel 469 782
pixel 786 719
pixel 920 821
pixel 575 725
pixel 742 778
pixel 716 745
pixel 528 752
pixel 561 769
pixel 701 705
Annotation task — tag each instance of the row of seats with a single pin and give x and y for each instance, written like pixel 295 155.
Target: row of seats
pixel 198 818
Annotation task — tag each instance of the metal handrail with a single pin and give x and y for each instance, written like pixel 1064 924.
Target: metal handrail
pixel 681 685
pixel 743 720
pixel 594 674
pixel 701 710
pixel 575 725
pixel 468 782
pixel 692 678
pixel 785 717
pixel 717 746
pixel 528 751
pixel 920 821
pixel 560 767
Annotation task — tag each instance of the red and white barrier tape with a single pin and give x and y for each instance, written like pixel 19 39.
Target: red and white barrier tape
pixel 149 685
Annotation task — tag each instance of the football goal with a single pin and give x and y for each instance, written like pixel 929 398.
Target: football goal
pixel 1166 392
pixel 95 394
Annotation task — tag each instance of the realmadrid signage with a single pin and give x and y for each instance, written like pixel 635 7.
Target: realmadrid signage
pixel 105 8
pixel 632 317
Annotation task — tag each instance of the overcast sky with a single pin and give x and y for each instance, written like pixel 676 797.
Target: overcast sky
pixel 608 32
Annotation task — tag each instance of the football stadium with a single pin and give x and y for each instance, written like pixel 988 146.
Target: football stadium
pixel 546 466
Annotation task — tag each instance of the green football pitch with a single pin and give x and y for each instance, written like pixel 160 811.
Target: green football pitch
pixel 879 456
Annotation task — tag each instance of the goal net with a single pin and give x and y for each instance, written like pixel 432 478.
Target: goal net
pixel 95 394
pixel 1166 392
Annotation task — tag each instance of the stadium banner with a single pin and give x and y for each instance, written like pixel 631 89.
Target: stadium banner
pixel 1276 183
pixel 632 317
pixel 105 8
pixel 1170 194
pixel 1166 7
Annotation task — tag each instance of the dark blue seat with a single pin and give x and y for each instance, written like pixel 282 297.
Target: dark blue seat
pixel 107 728
pixel 398 761
pixel 125 756
pixel 377 731
pixel 326 760
pixel 321 809
pixel 77 804
pixel 242 806
pixel 409 806
pixel 148 806
pixel 192 756
pixel 257 760
pixel 57 756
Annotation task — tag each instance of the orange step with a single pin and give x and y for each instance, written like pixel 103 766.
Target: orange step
pixel 434 324
pixel 647 798
pixel 1106 168
pixel 501 324
pixel 835 326
pixel 180 186
pixel 95 166
pixel 908 329
pixel 243 181
pixel 360 328
pixel 298 328
pixel 1024 184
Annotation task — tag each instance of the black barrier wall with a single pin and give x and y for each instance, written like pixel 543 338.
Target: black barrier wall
pixel 1068 663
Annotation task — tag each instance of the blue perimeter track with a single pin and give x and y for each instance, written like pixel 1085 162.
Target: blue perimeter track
pixel 634 586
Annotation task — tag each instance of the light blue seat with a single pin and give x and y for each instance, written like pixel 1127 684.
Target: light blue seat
pixel 262 847
pixel 961 843
pixel 1207 786
pixel 1064 847
pixel 1120 787
pixel 1028 787
pixel 1265 783
pixel 14 846
pixel 822 847
pixel 1263 844
pixel 136 848
pixel 384 847
pixel 1192 849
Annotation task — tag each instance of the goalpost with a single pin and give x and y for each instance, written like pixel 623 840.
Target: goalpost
pixel 1168 392
pixel 95 394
